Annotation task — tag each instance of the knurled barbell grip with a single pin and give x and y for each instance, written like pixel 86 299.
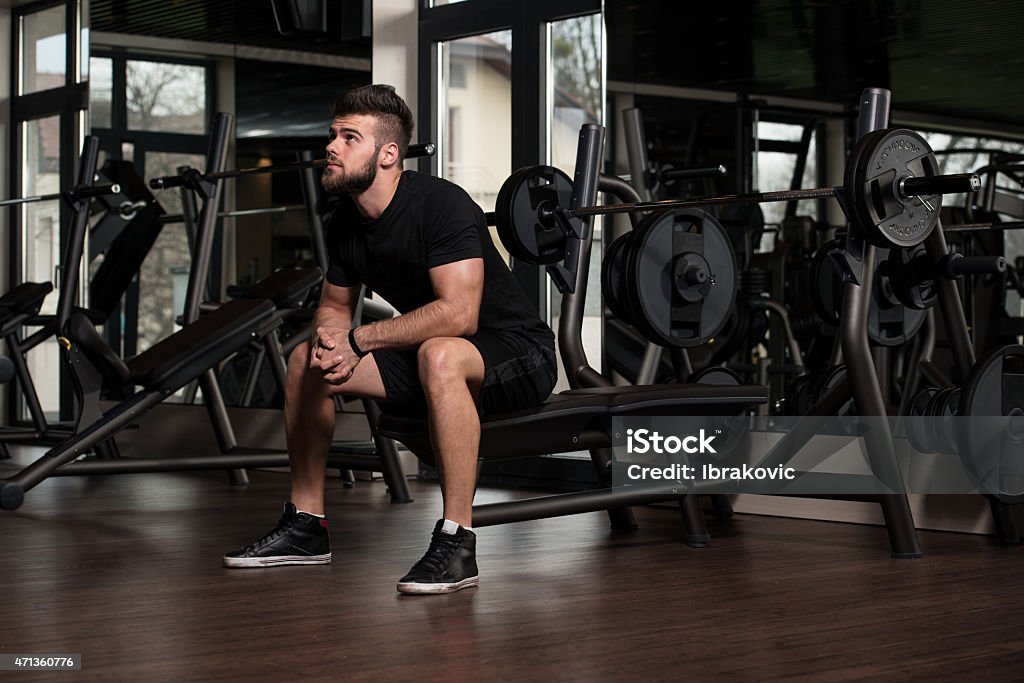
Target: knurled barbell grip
pixel 941 184
pixel 89 191
pixel 956 265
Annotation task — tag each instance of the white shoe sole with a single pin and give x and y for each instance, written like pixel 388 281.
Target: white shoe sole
pixel 250 562
pixel 437 588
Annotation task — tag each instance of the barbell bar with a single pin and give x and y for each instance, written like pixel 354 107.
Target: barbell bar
pixel 909 188
pixel 422 149
pixel 85 192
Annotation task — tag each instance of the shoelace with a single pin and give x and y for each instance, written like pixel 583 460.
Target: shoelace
pixel 442 547
pixel 283 526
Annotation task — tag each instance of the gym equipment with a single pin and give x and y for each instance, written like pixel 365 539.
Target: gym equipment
pixel 21 305
pixel 580 418
pixel 983 424
pixel 891 187
pixel 891 322
pixel 673 277
pixel 161 370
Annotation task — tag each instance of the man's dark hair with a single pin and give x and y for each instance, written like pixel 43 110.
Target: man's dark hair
pixel 394 120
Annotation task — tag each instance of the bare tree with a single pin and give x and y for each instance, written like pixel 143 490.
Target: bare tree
pixel 157 92
pixel 576 52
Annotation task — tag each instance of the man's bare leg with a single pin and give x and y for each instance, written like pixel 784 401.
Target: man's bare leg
pixel 451 372
pixel 309 421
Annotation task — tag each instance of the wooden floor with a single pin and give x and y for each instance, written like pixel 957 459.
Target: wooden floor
pixel 125 570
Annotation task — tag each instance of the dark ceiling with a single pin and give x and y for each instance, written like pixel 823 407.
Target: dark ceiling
pixel 943 58
pixel 236 22
pixel 961 60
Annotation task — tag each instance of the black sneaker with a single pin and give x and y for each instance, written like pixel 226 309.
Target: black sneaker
pixel 298 539
pixel 448 566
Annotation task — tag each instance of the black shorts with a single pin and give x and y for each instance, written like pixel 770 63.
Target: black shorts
pixel 518 372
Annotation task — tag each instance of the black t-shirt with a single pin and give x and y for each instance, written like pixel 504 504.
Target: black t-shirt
pixel 430 222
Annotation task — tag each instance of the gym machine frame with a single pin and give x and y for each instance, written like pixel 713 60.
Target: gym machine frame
pixel 861 384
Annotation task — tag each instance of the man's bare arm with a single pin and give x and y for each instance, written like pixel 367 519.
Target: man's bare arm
pixel 455 312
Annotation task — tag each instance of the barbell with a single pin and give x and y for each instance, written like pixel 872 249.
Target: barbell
pixel 422 149
pixel 74 195
pixel 891 188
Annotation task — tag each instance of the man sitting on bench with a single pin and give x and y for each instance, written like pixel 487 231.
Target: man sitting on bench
pixel 468 342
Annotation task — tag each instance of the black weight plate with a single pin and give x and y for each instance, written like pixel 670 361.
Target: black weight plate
pixel 880 161
pixel 917 423
pixel 799 396
pixel 991 433
pixel 912 288
pixel 715 376
pixel 890 323
pixel 659 311
pixel 613 277
pixel 933 427
pixel 835 375
pixel 826 285
pixel 729 431
pixel 947 423
pixel 523 213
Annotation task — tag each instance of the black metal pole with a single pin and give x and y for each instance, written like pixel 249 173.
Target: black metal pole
pixel 861 373
pixel 201 255
pixel 316 225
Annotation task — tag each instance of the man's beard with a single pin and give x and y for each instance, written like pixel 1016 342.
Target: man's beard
pixel 340 182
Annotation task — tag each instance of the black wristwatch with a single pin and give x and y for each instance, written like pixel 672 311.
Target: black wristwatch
pixel 352 343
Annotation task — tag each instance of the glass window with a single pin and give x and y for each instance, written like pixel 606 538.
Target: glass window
pixel 775 170
pixel 476 114
pixel 164 273
pixel 43 50
pixel 575 89
pixel 576 96
pixel 101 84
pixel 966 153
pixel 166 97
pixel 41 175
pixel 41 235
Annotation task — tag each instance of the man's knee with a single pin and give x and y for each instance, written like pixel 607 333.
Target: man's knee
pixel 441 361
pixel 299 358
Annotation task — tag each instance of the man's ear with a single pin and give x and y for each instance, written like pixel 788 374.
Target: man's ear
pixel 389 154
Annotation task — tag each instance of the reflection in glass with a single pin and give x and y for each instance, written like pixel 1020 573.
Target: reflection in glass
pixel 43 50
pixel 975 153
pixel 101 83
pixel 476 115
pixel 774 170
pixel 164 272
pixel 166 97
